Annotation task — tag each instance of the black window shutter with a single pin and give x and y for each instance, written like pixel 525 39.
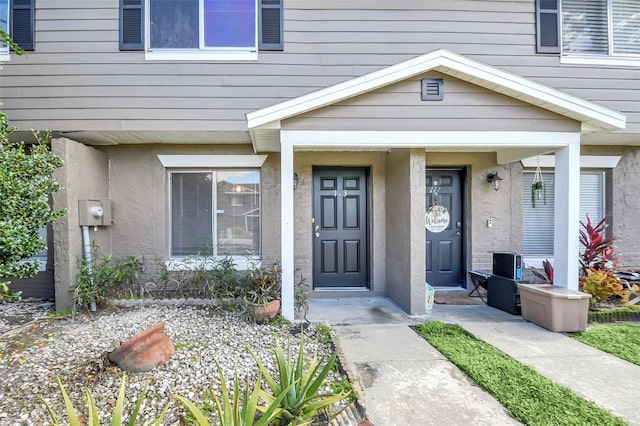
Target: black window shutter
pixel 270 23
pixel 547 26
pixel 22 23
pixel 131 24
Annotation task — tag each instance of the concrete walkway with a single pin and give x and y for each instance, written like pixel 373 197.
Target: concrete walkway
pixel 405 381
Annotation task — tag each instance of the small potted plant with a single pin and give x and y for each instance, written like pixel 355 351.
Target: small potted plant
pixel 262 286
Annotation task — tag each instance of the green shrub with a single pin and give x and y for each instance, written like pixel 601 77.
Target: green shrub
pixel 26 185
pixel 103 278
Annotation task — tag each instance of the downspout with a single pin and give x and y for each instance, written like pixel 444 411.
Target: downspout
pixel 86 244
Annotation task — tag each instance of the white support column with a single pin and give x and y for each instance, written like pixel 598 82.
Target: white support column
pixel 567 216
pixel 286 224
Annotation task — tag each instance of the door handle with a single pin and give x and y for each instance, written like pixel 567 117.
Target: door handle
pixel 458 233
pixel 317 235
pixel 317 228
pixel 458 225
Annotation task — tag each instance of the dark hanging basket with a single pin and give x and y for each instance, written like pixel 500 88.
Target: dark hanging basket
pixel 538 191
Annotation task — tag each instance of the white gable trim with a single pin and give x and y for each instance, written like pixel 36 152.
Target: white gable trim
pixel 451 64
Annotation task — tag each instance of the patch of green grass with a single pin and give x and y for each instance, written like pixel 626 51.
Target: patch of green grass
pixel 530 397
pixel 621 340
pixel 281 321
pixel 181 346
pixel 59 314
pixel 324 331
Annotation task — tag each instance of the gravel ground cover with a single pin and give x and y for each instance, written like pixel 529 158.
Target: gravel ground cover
pixel 32 355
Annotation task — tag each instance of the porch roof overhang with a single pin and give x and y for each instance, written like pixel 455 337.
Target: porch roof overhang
pixel 265 124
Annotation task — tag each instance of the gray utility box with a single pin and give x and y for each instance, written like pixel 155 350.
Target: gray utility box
pixel 94 212
pixel 554 308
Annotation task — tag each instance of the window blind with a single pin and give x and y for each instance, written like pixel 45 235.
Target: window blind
pixel 584 26
pixel 537 222
pixel 626 26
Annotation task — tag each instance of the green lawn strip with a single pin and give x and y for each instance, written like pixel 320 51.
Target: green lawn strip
pixel 621 340
pixel 530 397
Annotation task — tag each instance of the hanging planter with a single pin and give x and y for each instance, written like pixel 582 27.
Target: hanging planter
pixel 538 189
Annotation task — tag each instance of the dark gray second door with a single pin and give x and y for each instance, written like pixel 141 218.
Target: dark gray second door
pixel 340 227
pixel 444 230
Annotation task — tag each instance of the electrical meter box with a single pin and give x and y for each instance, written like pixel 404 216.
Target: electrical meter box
pixel 94 212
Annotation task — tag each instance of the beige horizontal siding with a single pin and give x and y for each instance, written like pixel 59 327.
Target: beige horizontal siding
pixel 77 79
pixel 464 107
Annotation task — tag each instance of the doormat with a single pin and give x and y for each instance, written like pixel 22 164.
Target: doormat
pixel 456 299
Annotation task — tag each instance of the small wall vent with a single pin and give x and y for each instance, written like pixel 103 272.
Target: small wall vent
pixel 432 89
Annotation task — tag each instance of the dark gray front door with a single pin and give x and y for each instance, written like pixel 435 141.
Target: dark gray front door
pixel 444 239
pixel 340 227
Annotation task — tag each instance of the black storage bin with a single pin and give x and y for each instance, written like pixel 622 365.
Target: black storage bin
pixel 502 293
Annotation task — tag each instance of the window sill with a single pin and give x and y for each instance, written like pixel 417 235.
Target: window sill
pixel 194 263
pixel 42 263
pixel 612 61
pixel 176 55
pixel 535 262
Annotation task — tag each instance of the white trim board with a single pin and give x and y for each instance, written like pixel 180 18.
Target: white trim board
pixel 427 139
pixel 218 161
pixel 586 161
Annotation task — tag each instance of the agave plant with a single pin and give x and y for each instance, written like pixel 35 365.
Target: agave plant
pixel 117 418
pixel 298 392
pixel 237 408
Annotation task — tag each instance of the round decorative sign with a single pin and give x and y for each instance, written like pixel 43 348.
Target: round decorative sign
pixel 437 218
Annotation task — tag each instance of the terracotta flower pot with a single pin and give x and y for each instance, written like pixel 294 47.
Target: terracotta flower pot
pixel 263 313
pixel 144 351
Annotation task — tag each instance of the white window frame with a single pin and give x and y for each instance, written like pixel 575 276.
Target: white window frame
pixel 202 53
pixel 609 59
pixel 4 49
pixel 206 163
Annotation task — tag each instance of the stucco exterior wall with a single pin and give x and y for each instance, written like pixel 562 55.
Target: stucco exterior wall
pixel 303 166
pixel 85 175
pixel 625 209
pixel 405 232
pixel 140 210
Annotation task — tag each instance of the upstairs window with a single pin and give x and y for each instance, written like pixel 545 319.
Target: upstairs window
pixel 601 27
pixel 201 29
pixel 17 20
pixel 4 26
pixel 589 28
pixel 206 24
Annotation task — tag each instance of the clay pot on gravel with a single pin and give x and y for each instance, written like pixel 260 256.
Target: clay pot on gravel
pixel 144 351
pixel 262 313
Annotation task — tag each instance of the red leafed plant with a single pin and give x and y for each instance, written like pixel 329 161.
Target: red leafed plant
pixel 546 274
pixel 598 249
pixel 598 264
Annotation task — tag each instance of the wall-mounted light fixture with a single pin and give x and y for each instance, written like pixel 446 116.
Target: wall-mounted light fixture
pixel 494 180
pixel 296 179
